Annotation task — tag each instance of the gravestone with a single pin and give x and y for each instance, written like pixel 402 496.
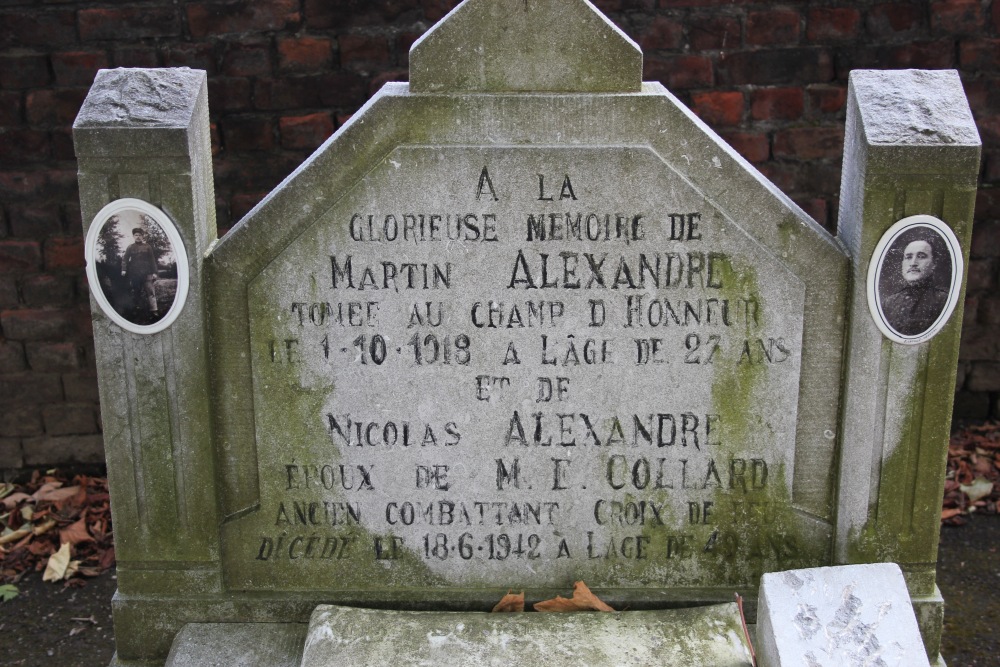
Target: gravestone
pixel 523 321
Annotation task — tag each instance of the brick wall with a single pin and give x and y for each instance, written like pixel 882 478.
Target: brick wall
pixel 284 74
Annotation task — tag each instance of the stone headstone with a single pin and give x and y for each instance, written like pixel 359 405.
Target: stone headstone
pixel 523 321
pixel 833 616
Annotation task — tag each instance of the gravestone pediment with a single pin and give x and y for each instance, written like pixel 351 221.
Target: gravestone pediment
pixel 526 46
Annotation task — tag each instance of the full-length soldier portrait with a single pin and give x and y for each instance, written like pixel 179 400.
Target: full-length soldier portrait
pixel 135 264
pixel 139 268
pixel 914 297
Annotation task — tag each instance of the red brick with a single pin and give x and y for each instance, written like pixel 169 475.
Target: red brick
pixel 991 171
pixel 938 54
pixel 248 133
pixel 209 19
pixel 81 387
pixel 987 205
pixel 24 70
pixel 11 107
pixel 304 54
pixel 773 27
pixel 196 56
pixel 719 108
pixel 985 238
pixel 827 98
pixel 809 143
pixel 996 16
pixel 342 90
pixel 12 358
pixel 403 43
pixel 229 94
pixel 984 376
pixel 20 256
pixel 385 77
pixel 894 18
pixel 989 310
pixel 775 67
pixel 246 58
pixel 832 24
pixel 243 203
pixel 115 23
pixel 436 9
pixel 20 421
pixel 679 72
pixel 288 92
pixel 989 129
pixel 35 220
pixel 305 131
pixel 37 324
pixel 23 184
pixel 62 450
pixel 777 104
pixel 705 3
pixel 22 388
pixel 712 33
pixel 979 343
pixel 816 207
pixel 8 293
pixel 982 274
pixel 77 68
pixel 957 17
pixel 662 33
pixel 37 27
pixel 979 54
pixel 357 51
pixel 43 290
pixel 53 357
pixel 69 420
pixel 753 146
pixel 64 253
pixel 136 56
pixel 346 13
pixel 57 106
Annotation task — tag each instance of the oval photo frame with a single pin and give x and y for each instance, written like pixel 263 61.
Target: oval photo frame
pixel 137 266
pixel 914 279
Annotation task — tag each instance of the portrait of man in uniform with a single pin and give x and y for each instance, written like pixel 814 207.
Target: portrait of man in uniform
pixel 914 296
pixel 136 267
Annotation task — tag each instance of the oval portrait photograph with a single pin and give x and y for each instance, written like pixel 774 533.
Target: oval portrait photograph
pixel 136 265
pixel 914 279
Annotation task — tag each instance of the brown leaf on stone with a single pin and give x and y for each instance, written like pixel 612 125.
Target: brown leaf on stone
pixel 512 602
pixel 582 600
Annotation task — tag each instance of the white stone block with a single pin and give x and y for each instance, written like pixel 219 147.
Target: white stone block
pixel 847 616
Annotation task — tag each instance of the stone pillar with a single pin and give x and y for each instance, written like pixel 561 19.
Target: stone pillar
pixel 911 148
pixel 144 134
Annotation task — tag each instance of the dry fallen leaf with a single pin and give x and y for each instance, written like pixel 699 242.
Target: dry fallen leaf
pixel 949 513
pixel 980 488
pixel 582 600
pixel 60 566
pixel 76 532
pixel 511 602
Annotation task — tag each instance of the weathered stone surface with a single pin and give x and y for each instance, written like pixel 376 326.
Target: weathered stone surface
pixel 245 644
pixel 504 366
pixel 344 637
pixel 833 616
pixel 527 46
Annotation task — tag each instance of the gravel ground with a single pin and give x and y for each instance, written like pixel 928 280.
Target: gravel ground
pixel 48 625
